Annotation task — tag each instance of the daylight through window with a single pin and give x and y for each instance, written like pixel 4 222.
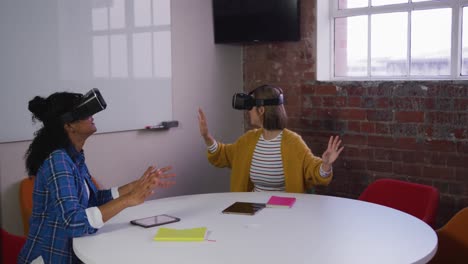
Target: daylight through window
pixel 396 39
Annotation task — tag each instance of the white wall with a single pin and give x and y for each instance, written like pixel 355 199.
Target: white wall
pixel 204 75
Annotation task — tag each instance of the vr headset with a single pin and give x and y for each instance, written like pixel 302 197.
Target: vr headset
pixel 91 103
pixel 242 101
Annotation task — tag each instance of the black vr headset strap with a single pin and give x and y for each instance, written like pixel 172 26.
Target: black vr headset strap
pixel 67 117
pixel 70 116
pixel 274 101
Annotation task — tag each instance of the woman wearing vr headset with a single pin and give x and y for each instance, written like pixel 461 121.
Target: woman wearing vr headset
pixel 271 157
pixel 66 203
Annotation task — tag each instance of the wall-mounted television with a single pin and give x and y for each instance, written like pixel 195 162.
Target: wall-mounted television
pixel 246 21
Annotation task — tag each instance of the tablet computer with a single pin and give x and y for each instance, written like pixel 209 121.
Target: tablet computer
pixel 155 220
pixel 245 208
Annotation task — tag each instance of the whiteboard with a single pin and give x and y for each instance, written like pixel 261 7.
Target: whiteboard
pixel 121 47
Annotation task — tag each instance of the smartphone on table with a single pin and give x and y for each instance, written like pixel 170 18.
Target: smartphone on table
pixel 155 220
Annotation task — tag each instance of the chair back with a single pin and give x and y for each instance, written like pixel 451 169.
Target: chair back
pixel 11 247
pixel 419 200
pixel 26 201
pixel 453 240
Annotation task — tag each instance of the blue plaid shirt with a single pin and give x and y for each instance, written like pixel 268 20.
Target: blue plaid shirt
pixel 59 203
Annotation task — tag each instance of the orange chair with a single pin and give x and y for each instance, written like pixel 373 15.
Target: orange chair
pixel 11 246
pixel 419 200
pixel 453 240
pixel 26 200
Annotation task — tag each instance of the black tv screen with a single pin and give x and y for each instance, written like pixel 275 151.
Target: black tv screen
pixel 243 21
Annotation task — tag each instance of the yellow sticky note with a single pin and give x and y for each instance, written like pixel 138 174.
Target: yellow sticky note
pixel 171 234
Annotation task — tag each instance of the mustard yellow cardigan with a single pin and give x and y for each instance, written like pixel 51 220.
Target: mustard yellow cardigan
pixel 301 167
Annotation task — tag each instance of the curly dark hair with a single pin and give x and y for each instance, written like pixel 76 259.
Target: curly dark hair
pixel 51 135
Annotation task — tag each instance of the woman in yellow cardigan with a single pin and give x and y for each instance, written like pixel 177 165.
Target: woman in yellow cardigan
pixel 271 157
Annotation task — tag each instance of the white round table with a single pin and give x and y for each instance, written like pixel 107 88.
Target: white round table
pixel 317 229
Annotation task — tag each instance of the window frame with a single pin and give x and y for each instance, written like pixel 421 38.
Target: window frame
pixel 327 11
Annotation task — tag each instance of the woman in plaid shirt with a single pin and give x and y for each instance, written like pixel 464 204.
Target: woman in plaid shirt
pixel 66 203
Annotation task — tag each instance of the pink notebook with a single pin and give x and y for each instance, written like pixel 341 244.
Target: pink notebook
pixel 280 201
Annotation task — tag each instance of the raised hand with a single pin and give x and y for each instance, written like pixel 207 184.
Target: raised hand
pixel 203 125
pixel 144 187
pixel 331 154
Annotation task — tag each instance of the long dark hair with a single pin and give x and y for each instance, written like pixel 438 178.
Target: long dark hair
pixel 51 135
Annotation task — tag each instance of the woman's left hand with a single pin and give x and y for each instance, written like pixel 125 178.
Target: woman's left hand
pixel 331 154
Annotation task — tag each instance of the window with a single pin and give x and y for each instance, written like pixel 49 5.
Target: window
pixel 392 39
pixel 131 38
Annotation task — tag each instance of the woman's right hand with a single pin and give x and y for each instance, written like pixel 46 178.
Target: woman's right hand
pixel 150 180
pixel 203 125
pixel 137 191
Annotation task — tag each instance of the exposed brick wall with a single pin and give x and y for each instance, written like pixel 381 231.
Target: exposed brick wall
pixel 414 131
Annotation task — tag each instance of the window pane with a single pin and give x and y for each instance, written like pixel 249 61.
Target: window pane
pixel 142 13
pixel 99 19
pixel 162 12
pixel 464 68
pixel 430 42
pixel 351 46
pixel 101 56
pixel 387 2
pixel 142 55
pixel 118 56
pixel 162 54
pixel 117 14
pixel 343 4
pixel 389 44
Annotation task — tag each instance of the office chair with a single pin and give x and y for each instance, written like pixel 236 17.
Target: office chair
pixel 419 200
pixel 453 240
pixel 11 246
pixel 26 200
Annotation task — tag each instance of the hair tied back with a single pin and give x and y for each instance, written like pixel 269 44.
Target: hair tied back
pixel 38 107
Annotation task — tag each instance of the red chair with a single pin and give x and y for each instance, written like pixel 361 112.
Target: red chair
pixel 419 200
pixel 11 246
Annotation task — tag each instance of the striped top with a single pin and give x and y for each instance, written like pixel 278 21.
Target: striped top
pixel 266 170
pixel 301 167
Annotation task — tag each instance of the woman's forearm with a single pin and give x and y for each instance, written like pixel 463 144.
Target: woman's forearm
pixel 209 140
pixel 124 189
pixel 111 208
